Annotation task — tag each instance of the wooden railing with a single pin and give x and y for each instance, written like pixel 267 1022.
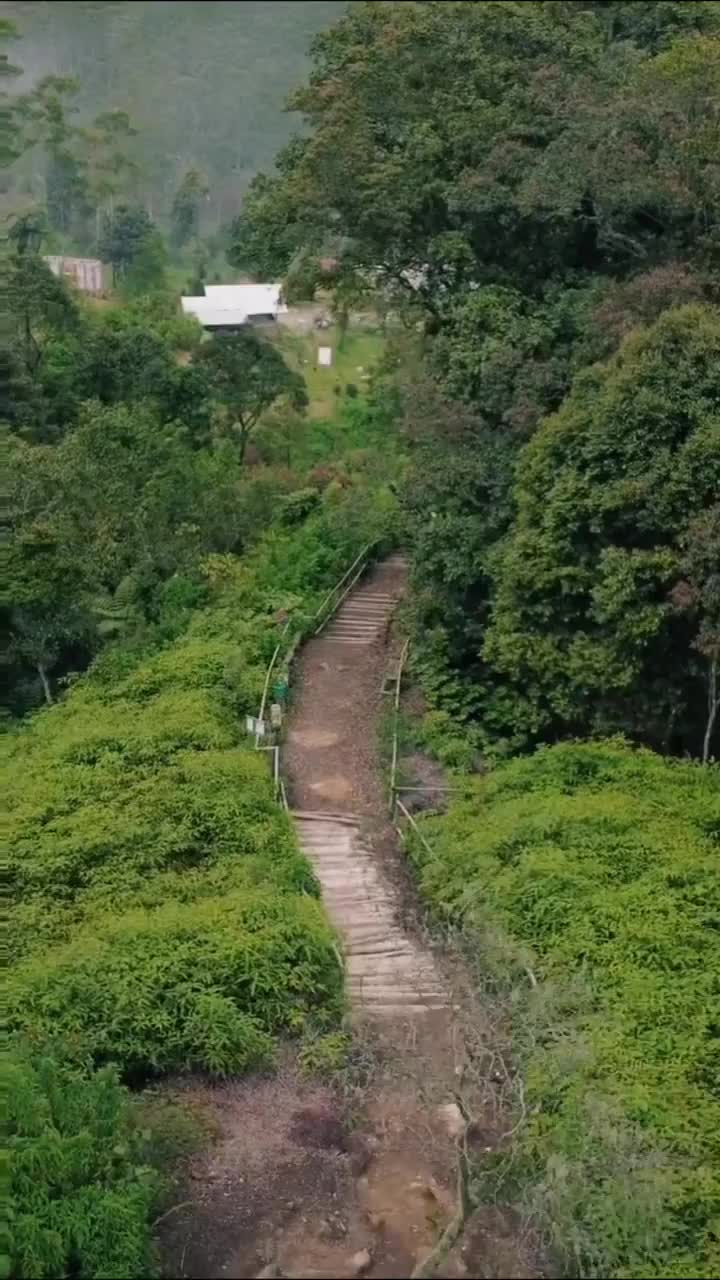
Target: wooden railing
pixel 395 790
pixel 399 811
pixel 335 597
pixel 396 725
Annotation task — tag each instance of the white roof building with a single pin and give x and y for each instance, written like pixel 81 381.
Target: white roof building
pixel 231 305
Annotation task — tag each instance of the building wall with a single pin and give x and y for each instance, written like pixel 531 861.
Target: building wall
pixel 87 274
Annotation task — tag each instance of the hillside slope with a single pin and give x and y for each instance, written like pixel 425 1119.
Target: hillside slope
pixel 204 83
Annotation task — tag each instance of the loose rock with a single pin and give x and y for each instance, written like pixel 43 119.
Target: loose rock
pixel 360 1262
pixel 452 1119
pixel 332 1228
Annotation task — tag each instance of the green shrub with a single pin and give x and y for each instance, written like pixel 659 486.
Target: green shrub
pixel 298 505
pixel 600 864
pixel 198 985
pixel 449 742
pixel 325 1055
pixel 163 916
pixel 80 1188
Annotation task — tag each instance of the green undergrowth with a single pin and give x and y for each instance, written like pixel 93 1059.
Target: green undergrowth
pixel 595 866
pixel 162 917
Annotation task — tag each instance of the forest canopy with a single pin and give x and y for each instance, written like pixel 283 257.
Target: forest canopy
pixel 537 187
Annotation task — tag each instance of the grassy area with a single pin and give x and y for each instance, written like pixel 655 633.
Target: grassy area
pixel 595 866
pixel 354 358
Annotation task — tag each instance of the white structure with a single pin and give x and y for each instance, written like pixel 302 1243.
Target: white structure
pixel 229 306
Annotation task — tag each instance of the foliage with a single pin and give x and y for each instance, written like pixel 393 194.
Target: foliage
pixel 38 305
pixel 123 354
pixel 83 167
pixel 247 375
pixel 163 915
pixel 480 142
pixel 126 234
pixel 9 141
pixel 184 986
pixel 698 593
pixel 526 184
pixel 582 623
pixel 325 1055
pixel 80 1186
pixel 510 355
pixel 147 269
pixel 185 213
pixel 599 863
pixel 204 87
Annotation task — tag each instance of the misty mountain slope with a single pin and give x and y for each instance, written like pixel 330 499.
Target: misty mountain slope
pixel 204 82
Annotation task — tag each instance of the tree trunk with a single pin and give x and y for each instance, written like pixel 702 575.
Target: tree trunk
pixel 243 437
pixel 45 684
pixel 713 704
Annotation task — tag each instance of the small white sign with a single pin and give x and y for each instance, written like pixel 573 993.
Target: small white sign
pixel 325 357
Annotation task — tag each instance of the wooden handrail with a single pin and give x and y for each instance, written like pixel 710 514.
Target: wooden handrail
pixel 409 818
pixel 396 718
pixel 268 674
pixel 362 556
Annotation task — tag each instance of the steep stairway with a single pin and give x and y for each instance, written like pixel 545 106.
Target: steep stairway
pixel 364 615
pixel 336 782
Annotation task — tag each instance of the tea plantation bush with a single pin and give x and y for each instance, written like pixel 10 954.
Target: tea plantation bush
pixel 598 866
pixel 163 917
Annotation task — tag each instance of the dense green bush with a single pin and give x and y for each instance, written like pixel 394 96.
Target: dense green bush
pixel 163 917
pixel 195 985
pixel 139 789
pixel 595 624
pixel 80 1188
pixel 599 864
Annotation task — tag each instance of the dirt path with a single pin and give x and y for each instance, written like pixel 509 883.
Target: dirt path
pixel 337 790
pixel 331 756
pixel 335 780
pixel 360 1178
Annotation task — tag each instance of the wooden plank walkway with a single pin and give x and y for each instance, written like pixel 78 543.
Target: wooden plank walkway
pixel 388 970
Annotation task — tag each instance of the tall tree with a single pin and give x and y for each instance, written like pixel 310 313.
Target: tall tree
pixel 474 142
pixel 38 302
pixel 108 167
pixel 10 146
pixel 610 497
pixel 185 214
pixel 698 593
pixel 125 233
pixel 246 376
